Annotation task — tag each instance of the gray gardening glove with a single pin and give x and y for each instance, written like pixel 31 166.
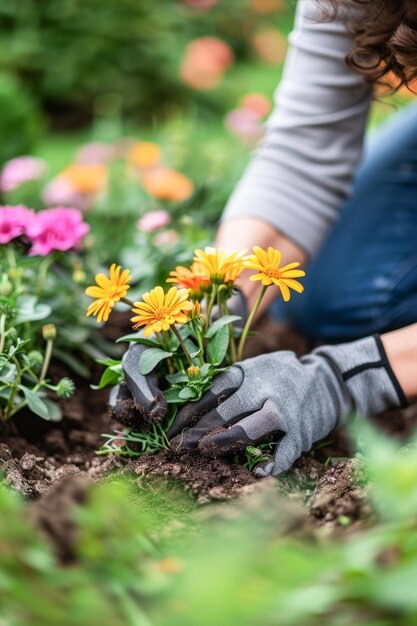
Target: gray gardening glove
pixel 279 397
pixel 138 398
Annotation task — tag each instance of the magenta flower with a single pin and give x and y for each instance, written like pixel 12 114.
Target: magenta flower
pixel 15 221
pixel 57 229
pixel 21 170
pixel 60 192
pixel 154 220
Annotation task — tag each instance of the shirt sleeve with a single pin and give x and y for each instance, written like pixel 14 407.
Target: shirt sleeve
pixel 303 169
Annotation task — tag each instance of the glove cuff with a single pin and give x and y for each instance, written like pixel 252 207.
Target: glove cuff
pixel 367 374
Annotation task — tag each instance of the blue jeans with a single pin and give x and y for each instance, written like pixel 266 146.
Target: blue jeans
pixel 364 279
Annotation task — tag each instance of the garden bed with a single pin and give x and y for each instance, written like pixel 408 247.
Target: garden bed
pixel 35 455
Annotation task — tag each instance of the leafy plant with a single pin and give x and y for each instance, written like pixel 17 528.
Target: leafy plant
pixel 186 343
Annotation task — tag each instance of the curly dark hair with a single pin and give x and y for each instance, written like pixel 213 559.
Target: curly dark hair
pixel 385 34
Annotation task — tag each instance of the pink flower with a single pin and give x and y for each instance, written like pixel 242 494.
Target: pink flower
pixel 96 152
pixel 57 229
pixel 166 238
pixel 154 220
pixel 245 124
pixel 15 221
pixel 21 170
pixel 60 192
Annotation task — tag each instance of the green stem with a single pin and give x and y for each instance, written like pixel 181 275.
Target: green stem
pixel 42 274
pixel 213 297
pixel 249 323
pixel 232 344
pixel 200 343
pixel 182 344
pixel 127 301
pixel 47 360
pixel 2 331
pixel 9 412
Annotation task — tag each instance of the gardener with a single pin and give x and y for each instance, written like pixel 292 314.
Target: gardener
pixel 356 225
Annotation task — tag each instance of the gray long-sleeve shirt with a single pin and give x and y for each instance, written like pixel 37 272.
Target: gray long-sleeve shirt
pixel 302 171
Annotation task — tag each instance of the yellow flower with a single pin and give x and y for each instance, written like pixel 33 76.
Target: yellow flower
pixel 108 291
pixel 194 278
pixel 222 267
pixel 160 310
pixel 266 263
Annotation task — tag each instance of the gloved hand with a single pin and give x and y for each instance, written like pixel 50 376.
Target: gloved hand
pixel 296 401
pixel 138 398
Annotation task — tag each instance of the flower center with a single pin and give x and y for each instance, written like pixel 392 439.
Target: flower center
pixel 272 273
pixel 161 313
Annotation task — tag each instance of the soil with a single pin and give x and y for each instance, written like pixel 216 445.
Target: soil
pixel 53 462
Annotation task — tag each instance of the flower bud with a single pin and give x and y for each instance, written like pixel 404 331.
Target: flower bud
pixel 35 359
pixel 49 332
pixel 65 388
pixel 193 372
pixel 6 286
pixel 79 276
pixel 16 272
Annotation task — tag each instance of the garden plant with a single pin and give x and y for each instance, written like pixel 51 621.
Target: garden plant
pixel 188 330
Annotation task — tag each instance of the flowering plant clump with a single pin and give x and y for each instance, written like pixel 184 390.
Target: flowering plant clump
pixel 189 333
pixel 38 315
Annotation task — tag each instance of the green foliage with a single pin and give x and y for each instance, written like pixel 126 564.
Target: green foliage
pixel 71 52
pixel 20 122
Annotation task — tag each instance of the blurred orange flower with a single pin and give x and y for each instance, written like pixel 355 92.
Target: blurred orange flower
pixel 145 154
pixel 84 178
pixel 258 103
pixel 267 6
pixel 271 45
pixel 167 184
pixel 204 62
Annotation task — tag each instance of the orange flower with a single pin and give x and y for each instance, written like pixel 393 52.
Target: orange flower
pixel 145 154
pixel 222 267
pixel 166 184
pixel 159 310
pixel 108 291
pixel 266 263
pixel 195 278
pixel 85 179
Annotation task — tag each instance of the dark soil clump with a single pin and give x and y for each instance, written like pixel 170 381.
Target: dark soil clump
pixel 208 479
pixel 340 498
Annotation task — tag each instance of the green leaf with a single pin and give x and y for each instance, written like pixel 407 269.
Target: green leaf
pixel 187 394
pixel 30 311
pixel 179 377
pixel 218 324
pixel 172 395
pixel 35 403
pixel 134 338
pixel 217 346
pixel 113 375
pixel 150 359
pixel 55 413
